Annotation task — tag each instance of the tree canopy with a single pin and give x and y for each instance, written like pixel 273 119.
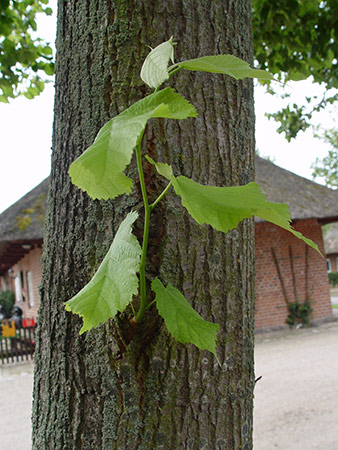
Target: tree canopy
pixel 295 40
pixel 25 59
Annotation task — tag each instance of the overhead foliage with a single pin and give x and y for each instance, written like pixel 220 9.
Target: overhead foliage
pixel 25 60
pixel 294 40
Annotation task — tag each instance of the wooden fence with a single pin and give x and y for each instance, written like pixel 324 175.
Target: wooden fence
pixel 16 343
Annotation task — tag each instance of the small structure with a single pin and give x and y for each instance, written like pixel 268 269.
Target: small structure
pixel 287 270
pixel 21 239
pixel 331 247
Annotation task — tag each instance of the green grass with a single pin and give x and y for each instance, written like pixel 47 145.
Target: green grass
pixel 334 306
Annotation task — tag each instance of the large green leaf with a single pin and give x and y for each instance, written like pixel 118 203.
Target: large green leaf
pixel 227 64
pixel 99 170
pixel 221 207
pixel 115 282
pixel 224 207
pixel 155 67
pixel 182 321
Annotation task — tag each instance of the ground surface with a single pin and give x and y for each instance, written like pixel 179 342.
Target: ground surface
pixel 296 401
pixel 16 383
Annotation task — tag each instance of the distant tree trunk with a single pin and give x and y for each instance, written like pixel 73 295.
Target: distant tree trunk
pixel 95 391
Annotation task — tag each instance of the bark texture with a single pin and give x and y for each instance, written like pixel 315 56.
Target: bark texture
pixel 104 390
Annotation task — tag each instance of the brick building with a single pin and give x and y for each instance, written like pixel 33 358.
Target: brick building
pixel 286 268
pixel 21 239
pixel 331 248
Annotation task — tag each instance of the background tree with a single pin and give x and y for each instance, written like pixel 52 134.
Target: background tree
pixel 90 391
pixel 296 40
pixel 23 57
pixel 327 167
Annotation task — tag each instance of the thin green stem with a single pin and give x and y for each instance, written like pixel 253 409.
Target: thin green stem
pixel 159 198
pixel 151 303
pixel 174 71
pixel 143 288
pixel 147 211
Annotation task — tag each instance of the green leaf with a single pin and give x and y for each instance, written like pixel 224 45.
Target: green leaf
pixel 182 321
pixel 226 64
pixel 49 68
pixel 47 51
pixel 162 168
pixel 115 282
pixel 99 170
pixel 224 207
pixel 155 67
pixel 221 207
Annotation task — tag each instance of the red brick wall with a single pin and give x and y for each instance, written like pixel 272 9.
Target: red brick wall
pixel 271 309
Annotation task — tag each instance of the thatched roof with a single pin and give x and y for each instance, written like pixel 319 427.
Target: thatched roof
pixel 305 198
pixel 24 219
pixel 21 226
pixel 331 239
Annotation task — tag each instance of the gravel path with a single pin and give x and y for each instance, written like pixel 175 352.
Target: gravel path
pixel 16 383
pixel 296 401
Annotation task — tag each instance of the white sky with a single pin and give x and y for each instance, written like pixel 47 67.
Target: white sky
pixel 26 129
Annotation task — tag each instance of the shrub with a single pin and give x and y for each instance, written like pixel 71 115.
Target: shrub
pixel 7 301
pixel 299 313
pixel 333 278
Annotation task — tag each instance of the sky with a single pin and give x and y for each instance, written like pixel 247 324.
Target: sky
pixel 26 134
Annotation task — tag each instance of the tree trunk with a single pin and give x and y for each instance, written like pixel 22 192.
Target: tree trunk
pixel 101 390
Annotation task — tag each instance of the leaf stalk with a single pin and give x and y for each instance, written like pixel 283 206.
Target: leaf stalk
pixel 159 198
pixel 174 70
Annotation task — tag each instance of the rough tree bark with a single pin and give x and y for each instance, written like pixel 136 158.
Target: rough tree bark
pixel 96 391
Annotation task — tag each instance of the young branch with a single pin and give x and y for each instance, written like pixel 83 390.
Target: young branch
pixel 143 288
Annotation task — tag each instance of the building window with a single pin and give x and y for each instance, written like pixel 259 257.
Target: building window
pixel 30 290
pixel 3 284
pixel 328 265
pixel 18 288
